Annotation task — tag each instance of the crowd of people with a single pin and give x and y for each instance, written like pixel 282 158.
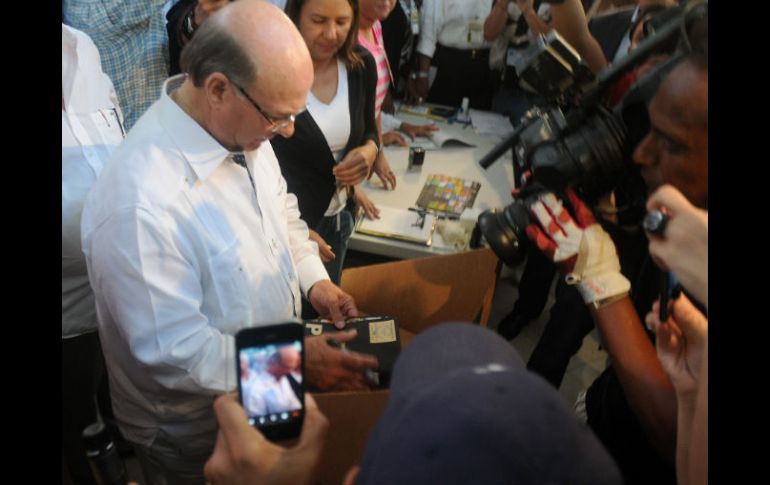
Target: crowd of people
pixel 216 183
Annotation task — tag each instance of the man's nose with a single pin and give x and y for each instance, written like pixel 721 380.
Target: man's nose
pixel 644 154
pixel 287 131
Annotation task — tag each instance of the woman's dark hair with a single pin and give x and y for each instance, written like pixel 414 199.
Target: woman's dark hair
pixel 346 52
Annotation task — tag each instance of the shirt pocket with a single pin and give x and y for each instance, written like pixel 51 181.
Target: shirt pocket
pixel 226 300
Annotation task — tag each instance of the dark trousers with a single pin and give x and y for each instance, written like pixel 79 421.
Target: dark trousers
pixel 510 100
pixel 534 285
pixel 336 230
pixel 461 74
pixel 338 240
pixel 568 324
pixel 82 368
pixel 617 427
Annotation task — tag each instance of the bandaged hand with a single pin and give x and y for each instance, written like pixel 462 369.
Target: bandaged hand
pixel 579 247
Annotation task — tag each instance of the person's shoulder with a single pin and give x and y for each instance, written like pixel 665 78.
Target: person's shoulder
pixel 135 171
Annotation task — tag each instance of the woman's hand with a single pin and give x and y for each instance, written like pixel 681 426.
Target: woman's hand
pixel 324 250
pixel 364 202
pixel 356 165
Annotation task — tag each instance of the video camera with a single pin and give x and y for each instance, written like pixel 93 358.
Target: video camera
pixel 575 139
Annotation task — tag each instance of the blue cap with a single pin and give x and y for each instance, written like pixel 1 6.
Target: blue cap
pixel 464 410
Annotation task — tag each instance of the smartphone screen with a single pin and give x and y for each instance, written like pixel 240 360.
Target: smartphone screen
pixel 271 374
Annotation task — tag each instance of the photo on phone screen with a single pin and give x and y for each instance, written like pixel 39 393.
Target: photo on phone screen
pixel 271 378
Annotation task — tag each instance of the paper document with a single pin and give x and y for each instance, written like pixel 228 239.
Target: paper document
pixel 402 224
pixel 441 139
pixel 491 124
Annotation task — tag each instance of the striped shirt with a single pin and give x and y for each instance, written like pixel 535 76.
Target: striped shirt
pixel 383 69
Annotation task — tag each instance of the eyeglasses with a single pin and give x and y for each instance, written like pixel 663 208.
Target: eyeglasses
pixel 275 125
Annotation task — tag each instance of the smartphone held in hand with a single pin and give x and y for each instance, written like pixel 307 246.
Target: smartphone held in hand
pixel 270 366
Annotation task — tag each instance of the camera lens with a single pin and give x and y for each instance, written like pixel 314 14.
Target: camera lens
pixel 505 232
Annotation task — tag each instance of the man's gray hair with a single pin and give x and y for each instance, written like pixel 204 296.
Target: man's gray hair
pixel 213 49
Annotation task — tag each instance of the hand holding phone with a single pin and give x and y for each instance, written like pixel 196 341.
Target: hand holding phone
pixel 243 455
pixel 270 366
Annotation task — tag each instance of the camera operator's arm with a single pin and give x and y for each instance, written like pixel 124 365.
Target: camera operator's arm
pixel 569 20
pixel 585 253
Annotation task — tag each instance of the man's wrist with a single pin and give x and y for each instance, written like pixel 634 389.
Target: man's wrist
pixel 422 74
pixel 601 289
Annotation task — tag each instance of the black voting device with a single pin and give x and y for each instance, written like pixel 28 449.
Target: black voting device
pixel 377 335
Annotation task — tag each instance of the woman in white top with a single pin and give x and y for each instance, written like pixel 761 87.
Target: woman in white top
pixel 335 142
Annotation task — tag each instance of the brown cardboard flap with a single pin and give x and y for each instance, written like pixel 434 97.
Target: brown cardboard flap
pixel 351 416
pixel 426 291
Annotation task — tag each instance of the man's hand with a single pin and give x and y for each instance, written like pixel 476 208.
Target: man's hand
pixel 243 456
pixel 324 250
pixel 332 303
pixel 683 248
pixel 418 130
pixel 364 202
pixel 383 171
pixel 356 165
pixel 412 96
pixel 330 369
pixel 394 138
pixel 421 89
pixel 581 249
pixel 680 342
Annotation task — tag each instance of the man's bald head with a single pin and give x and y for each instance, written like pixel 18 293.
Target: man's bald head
pixel 249 41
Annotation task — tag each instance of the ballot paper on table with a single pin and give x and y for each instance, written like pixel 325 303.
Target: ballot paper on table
pixel 491 124
pixel 402 224
pixel 441 139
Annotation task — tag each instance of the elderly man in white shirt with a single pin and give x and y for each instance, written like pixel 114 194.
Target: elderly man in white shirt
pixel 190 236
pixel 269 391
pixel 91 127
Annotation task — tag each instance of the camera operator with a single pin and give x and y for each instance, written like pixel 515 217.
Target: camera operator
pixel 632 405
pixel 569 322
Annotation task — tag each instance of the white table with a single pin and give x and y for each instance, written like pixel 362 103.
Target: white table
pixel 496 185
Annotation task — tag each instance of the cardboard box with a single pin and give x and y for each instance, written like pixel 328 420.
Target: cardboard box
pixel 351 416
pixel 421 293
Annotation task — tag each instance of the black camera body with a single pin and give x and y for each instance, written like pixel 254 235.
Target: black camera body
pixel 575 140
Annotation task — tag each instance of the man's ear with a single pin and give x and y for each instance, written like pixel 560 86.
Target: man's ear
pixel 218 88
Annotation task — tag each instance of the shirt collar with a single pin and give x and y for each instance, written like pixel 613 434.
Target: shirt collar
pixel 199 148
